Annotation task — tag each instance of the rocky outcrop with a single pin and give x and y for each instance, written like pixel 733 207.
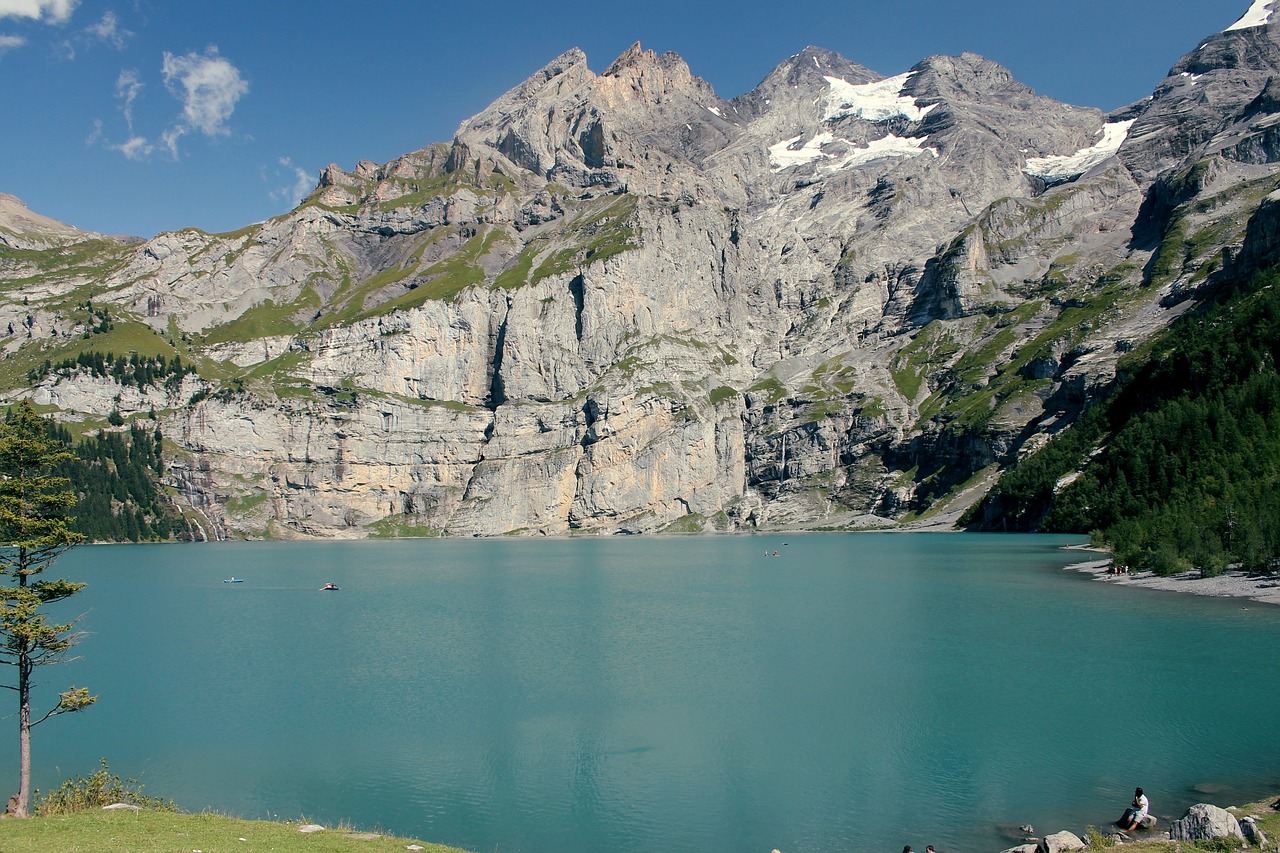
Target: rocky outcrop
pixel 1058 842
pixel 1204 822
pixel 1252 832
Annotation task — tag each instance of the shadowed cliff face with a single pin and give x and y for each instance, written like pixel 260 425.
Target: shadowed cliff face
pixel 616 302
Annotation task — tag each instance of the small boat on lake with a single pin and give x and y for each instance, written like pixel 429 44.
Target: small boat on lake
pixel 329 587
pixel 233 580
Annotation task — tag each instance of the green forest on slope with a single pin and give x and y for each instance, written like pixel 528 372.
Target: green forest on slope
pixel 1179 467
pixel 115 475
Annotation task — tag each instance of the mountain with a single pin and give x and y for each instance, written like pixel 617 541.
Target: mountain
pixel 618 302
pixel 20 228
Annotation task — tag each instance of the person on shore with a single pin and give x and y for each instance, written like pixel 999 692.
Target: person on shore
pixel 907 849
pixel 1137 811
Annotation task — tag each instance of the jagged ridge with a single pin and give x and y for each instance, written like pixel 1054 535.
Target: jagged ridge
pixel 617 302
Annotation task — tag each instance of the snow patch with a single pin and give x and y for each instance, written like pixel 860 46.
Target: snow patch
pixel 1259 15
pixel 889 146
pixel 1060 168
pixel 715 111
pixel 1191 77
pixel 878 101
pixel 783 155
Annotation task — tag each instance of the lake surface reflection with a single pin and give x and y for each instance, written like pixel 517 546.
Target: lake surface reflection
pixel 856 692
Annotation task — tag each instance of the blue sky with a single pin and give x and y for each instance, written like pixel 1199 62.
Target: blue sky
pixel 140 116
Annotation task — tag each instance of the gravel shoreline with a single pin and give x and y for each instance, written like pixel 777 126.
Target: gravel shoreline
pixel 1265 590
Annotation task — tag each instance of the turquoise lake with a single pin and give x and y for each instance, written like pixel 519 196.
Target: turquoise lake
pixel 856 693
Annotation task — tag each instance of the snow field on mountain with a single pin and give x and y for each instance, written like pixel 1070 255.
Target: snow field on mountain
pixel 1259 15
pixel 783 156
pixel 1062 167
pixel 879 101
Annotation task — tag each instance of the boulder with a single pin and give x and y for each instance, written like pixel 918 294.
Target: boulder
pixel 1252 832
pixel 1022 848
pixel 1060 841
pixel 1203 822
pixel 122 807
pixel 311 827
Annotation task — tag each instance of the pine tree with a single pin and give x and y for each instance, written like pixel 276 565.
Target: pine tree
pixel 34 528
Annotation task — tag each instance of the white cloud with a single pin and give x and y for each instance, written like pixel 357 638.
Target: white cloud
pixel 10 42
pixel 53 11
pixel 109 30
pixel 209 87
pixel 169 139
pixel 136 148
pixel 128 86
pixel 303 183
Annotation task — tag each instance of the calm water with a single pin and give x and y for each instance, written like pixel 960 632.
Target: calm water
pixel 856 693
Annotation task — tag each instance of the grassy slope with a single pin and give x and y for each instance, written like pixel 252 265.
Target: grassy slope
pixel 165 832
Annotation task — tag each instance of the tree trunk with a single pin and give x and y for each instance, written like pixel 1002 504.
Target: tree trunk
pixel 23 804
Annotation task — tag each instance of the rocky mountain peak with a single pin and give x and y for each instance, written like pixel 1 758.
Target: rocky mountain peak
pixel 642 75
pixel 1212 98
pixel 633 57
pixel 801 78
pixel 21 228
pixel 1258 15
pixel 15 215
pixel 967 76
pixel 567 62
pixel 815 65
pixel 1244 49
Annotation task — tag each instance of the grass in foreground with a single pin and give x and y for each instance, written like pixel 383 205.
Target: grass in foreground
pixel 97 831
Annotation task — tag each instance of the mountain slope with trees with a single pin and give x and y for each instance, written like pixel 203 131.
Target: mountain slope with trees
pixel 1179 466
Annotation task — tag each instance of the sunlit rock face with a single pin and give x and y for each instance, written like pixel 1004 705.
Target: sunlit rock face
pixel 618 302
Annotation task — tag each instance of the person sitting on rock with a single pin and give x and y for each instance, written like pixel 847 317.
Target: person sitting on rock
pixel 1136 813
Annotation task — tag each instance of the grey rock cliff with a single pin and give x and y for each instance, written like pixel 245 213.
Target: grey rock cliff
pixel 617 302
